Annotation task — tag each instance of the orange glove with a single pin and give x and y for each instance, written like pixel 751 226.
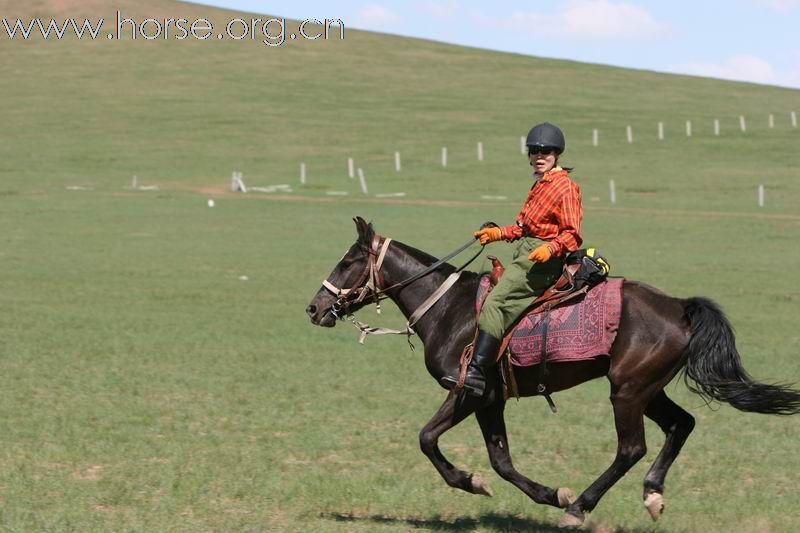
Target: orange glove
pixel 541 254
pixel 487 235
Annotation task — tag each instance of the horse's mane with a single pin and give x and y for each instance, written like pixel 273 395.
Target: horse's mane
pixel 366 233
pixel 427 260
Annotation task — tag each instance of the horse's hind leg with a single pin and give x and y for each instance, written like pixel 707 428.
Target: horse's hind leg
pixel 677 424
pixel 454 409
pixel 629 419
pixel 493 427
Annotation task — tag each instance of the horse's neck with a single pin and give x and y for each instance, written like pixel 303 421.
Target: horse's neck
pixel 402 264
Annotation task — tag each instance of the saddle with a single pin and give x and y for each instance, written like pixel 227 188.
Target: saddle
pixel 569 286
pixel 565 288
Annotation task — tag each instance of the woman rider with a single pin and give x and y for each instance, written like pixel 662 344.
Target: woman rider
pixel 547 228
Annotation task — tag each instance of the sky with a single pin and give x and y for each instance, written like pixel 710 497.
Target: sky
pixel 747 40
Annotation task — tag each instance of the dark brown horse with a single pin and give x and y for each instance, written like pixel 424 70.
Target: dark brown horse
pixel 658 336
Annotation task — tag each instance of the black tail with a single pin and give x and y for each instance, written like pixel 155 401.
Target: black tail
pixel 713 364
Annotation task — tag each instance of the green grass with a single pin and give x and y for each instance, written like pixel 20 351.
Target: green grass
pixel 147 387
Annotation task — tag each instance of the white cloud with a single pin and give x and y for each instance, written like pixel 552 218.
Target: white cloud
pixel 375 16
pixel 444 11
pixel 605 19
pixel 747 67
pixel 743 67
pixel 779 6
pixel 587 19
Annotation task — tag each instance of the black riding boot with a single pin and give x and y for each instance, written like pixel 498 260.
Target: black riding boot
pixel 483 357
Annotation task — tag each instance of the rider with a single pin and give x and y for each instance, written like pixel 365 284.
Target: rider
pixel 548 228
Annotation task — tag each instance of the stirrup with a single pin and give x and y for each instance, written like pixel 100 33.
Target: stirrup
pixel 472 390
pixel 450 383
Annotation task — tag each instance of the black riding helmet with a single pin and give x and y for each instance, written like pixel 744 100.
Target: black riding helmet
pixel 546 135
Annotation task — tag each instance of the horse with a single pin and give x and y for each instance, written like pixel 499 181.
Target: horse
pixel 658 337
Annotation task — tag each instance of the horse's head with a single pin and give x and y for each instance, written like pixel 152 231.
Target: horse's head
pixel 345 290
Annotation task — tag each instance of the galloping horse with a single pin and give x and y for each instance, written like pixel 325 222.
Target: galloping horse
pixel 658 336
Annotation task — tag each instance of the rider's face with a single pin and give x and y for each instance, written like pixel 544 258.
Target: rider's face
pixel 542 159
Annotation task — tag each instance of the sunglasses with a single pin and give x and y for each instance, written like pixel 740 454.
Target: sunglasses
pixel 543 150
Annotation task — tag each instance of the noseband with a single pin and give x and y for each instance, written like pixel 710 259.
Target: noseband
pixel 370 277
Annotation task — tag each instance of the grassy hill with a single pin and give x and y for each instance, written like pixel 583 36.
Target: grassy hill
pixel 189 112
pixel 157 368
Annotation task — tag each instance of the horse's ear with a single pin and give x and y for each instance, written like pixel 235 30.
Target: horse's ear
pixel 365 231
pixel 360 225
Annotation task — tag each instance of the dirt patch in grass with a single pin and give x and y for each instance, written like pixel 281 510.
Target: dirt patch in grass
pixel 93 473
pixel 220 191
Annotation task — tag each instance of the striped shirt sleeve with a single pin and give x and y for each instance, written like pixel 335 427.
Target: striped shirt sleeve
pixel 570 216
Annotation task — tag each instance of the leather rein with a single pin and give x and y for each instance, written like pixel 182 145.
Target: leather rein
pixel 369 285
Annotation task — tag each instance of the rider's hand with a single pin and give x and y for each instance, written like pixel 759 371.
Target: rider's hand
pixel 541 254
pixel 487 235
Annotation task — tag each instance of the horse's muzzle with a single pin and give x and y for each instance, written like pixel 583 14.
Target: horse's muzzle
pixel 320 318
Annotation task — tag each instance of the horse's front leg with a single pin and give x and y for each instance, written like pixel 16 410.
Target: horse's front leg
pixel 493 426
pixel 454 409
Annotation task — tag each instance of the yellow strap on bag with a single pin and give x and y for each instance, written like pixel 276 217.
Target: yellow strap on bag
pixel 599 260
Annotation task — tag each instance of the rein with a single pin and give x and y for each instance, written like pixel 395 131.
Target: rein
pixel 434 266
pixel 372 278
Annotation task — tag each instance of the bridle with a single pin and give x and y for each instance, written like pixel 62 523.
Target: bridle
pixel 370 284
pixel 370 277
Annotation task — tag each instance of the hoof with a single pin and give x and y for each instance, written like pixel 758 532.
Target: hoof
pixel 565 497
pixel 655 505
pixel 570 521
pixel 479 486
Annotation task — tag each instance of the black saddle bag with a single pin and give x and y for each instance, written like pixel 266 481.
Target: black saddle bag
pixel 594 268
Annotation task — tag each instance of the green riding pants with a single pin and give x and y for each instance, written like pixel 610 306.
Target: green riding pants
pixel 521 283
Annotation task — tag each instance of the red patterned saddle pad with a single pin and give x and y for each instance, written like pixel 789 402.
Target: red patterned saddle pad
pixel 583 329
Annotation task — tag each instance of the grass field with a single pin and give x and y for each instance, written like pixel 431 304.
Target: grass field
pixel 146 386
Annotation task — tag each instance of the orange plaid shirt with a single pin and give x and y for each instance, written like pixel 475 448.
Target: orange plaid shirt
pixel 552 212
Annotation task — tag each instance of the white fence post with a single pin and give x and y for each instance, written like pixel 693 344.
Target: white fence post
pixel 595 137
pixel 629 131
pixel 742 124
pixel 760 196
pixel 444 156
pixel 688 128
pixel 302 173
pixel 612 189
pixel 237 182
pixel 771 120
pixel 660 131
pixel 350 168
pixel 522 146
pixel 480 151
pixel 716 127
pixel 793 116
pixel 363 181
pixel 397 166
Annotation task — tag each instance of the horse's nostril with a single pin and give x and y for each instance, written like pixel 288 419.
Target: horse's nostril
pixel 311 310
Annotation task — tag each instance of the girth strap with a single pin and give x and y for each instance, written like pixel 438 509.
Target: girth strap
pixel 542 388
